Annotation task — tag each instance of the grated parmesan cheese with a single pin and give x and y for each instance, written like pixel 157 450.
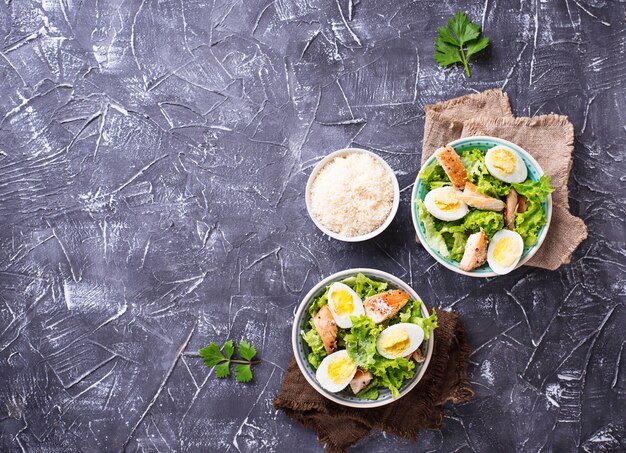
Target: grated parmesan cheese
pixel 352 195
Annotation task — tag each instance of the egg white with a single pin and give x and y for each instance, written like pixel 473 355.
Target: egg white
pixel 344 321
pixel 416 336
pixel 324 379
pixel 431 197
pixel 497 267
pixel 519 174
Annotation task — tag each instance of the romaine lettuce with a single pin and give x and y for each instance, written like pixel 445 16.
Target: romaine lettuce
pixel 474 162
pixel 392 373
pixel 433 236
pixel 412 312
pixel 535 190
pixel 361 347
pixel 361 341
pixel 313 339
pixel 528 223
pixel 434 176
pixel 489 221
pixel 365 286
pixel 458 246
pixel 371 391
pixel 471 158
pixel 318 303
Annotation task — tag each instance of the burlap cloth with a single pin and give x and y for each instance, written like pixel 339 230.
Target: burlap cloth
pixel 338 427
pixel 548 138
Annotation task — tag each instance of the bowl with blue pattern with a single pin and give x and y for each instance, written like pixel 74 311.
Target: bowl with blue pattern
pixel 484 143
pixel 301 349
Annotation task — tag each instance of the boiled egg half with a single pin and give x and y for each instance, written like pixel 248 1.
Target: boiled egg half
pixel 505 250
pixel 445 203
pixel 336 371
pixel 506 165
pixel 343 303
pixel 399 340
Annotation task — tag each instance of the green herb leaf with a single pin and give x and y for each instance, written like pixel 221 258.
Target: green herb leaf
pixel 243 373
pixel 222 359
pixel 447 54
pixel 476 46
pixel 229 348
pixel 211 355
pixel 463 28
pixel 459 40
pixel 446 35
pixel 246 350
pixel 222 370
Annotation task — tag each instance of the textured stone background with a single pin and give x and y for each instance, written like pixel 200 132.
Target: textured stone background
pixel 153 156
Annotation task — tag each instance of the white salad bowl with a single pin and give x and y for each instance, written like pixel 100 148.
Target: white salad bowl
pixel 301 349
pixel 484 143
pixel 394 207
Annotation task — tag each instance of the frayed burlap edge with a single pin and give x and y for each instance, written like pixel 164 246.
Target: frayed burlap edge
pixel 480 99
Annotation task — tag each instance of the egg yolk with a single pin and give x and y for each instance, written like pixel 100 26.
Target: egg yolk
pixel 506 252
pixel 396 342
pixel 447 201
pixel 504 160
pixel 341 369
pixel 342 302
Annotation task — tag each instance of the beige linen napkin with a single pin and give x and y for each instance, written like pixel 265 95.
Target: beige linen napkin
pixel 548 138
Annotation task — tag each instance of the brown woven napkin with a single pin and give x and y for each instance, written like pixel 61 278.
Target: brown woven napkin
pixel 548 138
pixel 338 427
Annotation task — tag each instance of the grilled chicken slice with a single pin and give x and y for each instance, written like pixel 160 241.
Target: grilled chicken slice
pixel 452 165
pixel 361 380
pixel 418 356
pixel 521 203
pixel 475 253
pixel 511 209
pixel 472 197
pixel 384 305
pixel 327 328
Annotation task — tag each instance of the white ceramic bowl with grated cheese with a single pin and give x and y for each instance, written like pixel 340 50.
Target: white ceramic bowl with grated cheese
pixel 394 203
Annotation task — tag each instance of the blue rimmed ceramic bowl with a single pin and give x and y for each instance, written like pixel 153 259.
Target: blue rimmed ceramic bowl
pixel 301 349
pixel 483 143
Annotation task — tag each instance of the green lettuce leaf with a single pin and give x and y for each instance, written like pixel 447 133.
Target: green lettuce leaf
pixel 472 157
pixel 528 223
pixel 315 360
pixel 313 339
pixel 433 236
pixel 474 162
pixel 371 391
pixel 535 190
pixel 361 341
pixel 434 176
pixel 365 286
pixel 458 246
pixel 412 312
pixel 318 303
pixel 489 221
pixel 455 233
pixel 427 324
pixel 361 347
pixel 392 373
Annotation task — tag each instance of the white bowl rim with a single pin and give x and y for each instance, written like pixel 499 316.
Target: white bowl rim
pixel 394 207
pixel 532 251
pixel 295 334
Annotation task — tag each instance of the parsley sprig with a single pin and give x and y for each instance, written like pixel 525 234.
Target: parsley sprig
pixel 458 41
pixel 221 359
